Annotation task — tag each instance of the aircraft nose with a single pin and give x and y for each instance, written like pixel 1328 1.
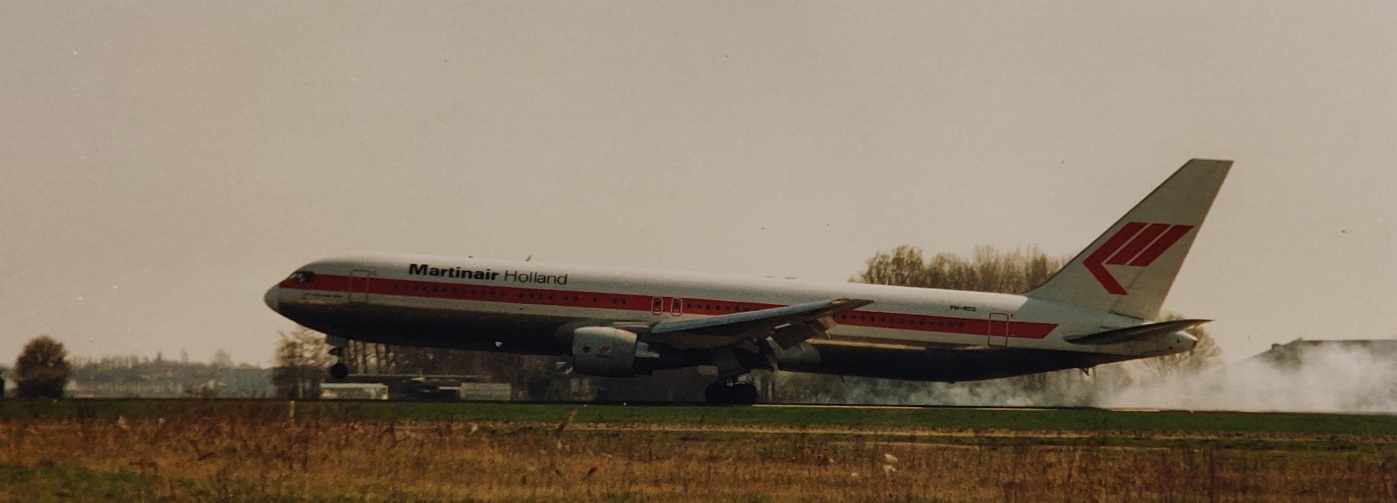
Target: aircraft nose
pixel 273 298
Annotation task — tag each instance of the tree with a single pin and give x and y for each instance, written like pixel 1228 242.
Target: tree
pixel 988 270
pixel 301 359
pixel 222 359
pixel 42 369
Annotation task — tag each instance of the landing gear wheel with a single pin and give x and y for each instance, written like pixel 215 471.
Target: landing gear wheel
pixel 731 393
pixel 744 393
pixel 339 370
pixel 716 394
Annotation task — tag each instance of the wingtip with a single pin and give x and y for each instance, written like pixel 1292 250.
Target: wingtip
pixel 1211 163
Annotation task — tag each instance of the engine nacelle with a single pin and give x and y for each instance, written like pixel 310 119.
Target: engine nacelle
pixel 617 352
pixel 605 351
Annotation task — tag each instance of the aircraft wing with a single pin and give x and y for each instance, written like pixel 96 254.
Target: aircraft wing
pixel 1136 333
pixel 788 325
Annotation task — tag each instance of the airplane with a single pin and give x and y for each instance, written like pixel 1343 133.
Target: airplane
pixel 1099 308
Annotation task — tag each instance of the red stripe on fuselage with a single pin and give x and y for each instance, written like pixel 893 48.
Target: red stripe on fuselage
pixel 645 304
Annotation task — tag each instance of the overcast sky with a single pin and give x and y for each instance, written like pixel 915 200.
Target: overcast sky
pixel 163 163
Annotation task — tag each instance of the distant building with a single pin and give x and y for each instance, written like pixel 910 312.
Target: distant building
pixel 244 382
pixel 1300 352
pixel 671 385
pixel 170 380
pixel 353 391
pixel 487 391
pixel 431 387
pixel 1356 376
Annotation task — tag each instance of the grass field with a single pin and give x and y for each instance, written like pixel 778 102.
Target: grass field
pixel 378 451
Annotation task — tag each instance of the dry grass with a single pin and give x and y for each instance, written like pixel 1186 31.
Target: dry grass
pixel 267 455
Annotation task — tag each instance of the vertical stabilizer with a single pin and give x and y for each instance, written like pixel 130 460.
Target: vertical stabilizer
pixel 1130 268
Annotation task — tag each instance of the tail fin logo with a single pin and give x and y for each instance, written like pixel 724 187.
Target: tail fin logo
pixel 1136 244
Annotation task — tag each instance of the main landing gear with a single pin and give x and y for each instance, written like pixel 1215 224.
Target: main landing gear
pixel 730 388
pixel 731 392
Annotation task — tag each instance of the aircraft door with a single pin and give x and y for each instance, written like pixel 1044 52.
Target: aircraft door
pixel 998 334
pixel 359 285
pixel 658 307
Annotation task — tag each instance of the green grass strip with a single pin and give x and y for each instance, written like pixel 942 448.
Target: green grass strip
pixel 963 419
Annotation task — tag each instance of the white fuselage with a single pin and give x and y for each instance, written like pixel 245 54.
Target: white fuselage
pixel 619 322
pixel 514 306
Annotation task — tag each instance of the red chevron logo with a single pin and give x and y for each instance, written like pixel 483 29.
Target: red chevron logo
pixel 1137 244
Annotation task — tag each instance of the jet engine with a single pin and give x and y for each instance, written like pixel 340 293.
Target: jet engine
pixel 613 352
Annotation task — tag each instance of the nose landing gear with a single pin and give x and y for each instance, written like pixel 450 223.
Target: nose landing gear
pixel 339 370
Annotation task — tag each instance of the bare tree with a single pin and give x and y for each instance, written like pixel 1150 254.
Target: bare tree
pixel 301 359
pixel 988 269
pixel 222 359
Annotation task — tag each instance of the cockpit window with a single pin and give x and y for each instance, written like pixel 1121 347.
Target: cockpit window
pixel 303 276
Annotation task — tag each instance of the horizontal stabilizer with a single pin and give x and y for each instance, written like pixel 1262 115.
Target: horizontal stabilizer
pixel 1136 333
pixel 765 320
